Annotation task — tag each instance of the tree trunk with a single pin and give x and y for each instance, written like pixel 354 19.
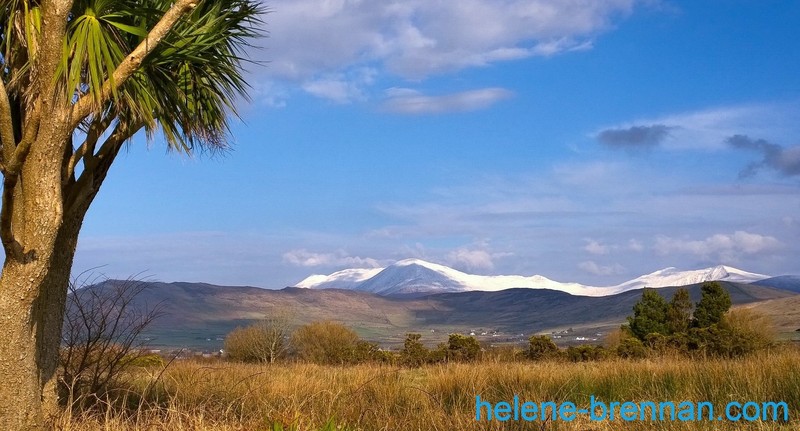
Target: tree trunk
pixel 29 354
pixel 33 290
pixel 20 395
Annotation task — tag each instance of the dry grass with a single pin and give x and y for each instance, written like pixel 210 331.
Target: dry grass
pixel 224 396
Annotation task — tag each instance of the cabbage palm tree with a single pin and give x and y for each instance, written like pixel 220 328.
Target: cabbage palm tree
pixel 79 79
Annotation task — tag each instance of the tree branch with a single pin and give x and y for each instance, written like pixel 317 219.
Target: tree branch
pixel 6 128
pixel 44 62
pixel 98 125
pixel 13 168
pixel 20 153
pixel 10 245
pixel 97 166
pixel 85 104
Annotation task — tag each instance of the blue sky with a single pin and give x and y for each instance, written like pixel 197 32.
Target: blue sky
pixel 588 141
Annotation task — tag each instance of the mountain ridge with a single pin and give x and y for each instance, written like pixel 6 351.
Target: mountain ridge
pixel 416 276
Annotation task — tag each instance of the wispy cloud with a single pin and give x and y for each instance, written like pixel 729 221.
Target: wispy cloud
pixel 207 256
pixel 269 93
pixel 595 247
pixel 404 101
pixel 786 161
pixel 474 259
pixel 339 258
pixel 593 268
pixel 722 247
pixel 577 212
pixel 705 129
pixel 471 259
pixel 341 88
pixel 635 245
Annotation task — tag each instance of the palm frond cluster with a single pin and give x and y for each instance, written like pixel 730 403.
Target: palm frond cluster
pixel 185 87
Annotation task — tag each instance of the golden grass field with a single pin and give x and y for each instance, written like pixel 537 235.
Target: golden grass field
pixel 227 396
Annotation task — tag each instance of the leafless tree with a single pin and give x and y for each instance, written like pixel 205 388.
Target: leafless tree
pixel 263 341
pixel 101 336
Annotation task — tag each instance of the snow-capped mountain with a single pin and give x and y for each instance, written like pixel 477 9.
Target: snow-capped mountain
pixel 410 276
pixel 673 277
pixel 344 279
pixel 419 276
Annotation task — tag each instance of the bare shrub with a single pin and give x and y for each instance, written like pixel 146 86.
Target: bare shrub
pixel 325 343
pixel 101 336
pixel 264 341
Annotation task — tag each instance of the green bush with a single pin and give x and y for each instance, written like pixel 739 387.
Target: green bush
pixel 663 327
pixel 649 315
pixel 586 352
pixel 713 305
pixel 366 351
pixel 542 347
pixel 631 348
pixel 414 353
pixel 462 348
pixel 439 354
pixel 679 312
pixel 737 334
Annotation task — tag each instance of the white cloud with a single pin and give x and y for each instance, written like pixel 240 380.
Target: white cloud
pixel 269 93
pixel 337 90
pixel 405 101
pixel 470 259
pixel 594 247
pixel 724 247
pixel 417 38
pixel 593 268
pixel 414 39
pixel 589 174
pixel 635 245
pixel 600 249
pixel 305 258
pixel 340 88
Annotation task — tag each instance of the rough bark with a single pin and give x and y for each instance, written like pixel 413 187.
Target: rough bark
pixel 28 298
pixel 20 403
pixel 36 272
pixel 33 286
pixel 32 322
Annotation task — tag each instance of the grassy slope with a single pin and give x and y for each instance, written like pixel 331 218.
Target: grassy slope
pixel 784 314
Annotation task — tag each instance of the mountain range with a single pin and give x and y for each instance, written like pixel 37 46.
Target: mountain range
pixel 199 315
pixel 416 296
pixel 418 277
